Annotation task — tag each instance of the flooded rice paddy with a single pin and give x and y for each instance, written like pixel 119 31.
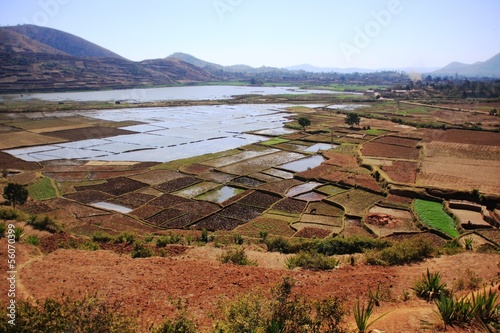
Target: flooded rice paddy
pixel 165 134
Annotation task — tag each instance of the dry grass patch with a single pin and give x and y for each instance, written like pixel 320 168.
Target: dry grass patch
pixel 356 202
pixel 273 224
pixel 25 139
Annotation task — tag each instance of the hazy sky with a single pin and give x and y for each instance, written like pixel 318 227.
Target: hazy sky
pixel 327 33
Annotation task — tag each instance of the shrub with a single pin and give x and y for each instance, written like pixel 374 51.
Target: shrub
pixel 357 244
pixel 237 257
pixel 430 287
pixel 402 253
pixel 45 223
pixel 279 244
pixel 8 214
pixel 312 261
pixel 88 246
pixel 284 312
pixel 125 237
pixel 33 240
pixel 148 238
pixel 3 227
pixel 162 241
pixel 181 323
pixel 141 251
pixel 238 239
pixel 64 314
pixel 204 236
pixel 102 237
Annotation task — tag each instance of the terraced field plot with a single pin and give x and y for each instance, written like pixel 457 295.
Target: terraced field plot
pixel 432 214
pixel 147 134
pixel 356 202
pixel 273 224
pixel 385 221
pixel 474 166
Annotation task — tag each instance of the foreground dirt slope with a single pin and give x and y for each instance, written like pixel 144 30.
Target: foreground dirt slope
pixel 147 286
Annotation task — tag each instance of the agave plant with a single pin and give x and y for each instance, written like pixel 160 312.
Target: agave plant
pixel 454 311
pixel 486 307
pixel 430 286
pixel 362 316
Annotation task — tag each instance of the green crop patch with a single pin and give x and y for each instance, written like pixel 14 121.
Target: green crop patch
pixel 42 189
pixel 432 214
pixel 274 141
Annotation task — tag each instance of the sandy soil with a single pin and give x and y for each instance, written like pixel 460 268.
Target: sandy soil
pixel 147 285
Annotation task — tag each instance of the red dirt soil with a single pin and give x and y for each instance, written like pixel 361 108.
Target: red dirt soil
pixel 146 285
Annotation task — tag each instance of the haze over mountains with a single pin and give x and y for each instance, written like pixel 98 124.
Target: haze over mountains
pixel 34 58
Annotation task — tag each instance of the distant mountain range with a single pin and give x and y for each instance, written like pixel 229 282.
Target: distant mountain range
pixel 314 69
pixel 34 58
pixel 488 68
pixel 214 67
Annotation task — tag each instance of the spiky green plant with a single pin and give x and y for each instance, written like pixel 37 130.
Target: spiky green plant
pixel 362 316
pixel 430 287
pixel 33 240
pixel 455 311
pixel 18 233
pixel 486 307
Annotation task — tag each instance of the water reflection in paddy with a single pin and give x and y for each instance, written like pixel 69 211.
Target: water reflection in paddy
pixel 167 134
pixel 303 164
pixel 221 195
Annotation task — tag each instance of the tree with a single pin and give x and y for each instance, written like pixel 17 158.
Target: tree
pixel 304 121
pixel 15 193
pixel 352 118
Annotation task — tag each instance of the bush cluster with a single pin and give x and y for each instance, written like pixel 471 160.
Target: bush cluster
pixel 328 246
pixel 284 312
pixel 402 253
pixel 69 315
pixel 312 260
pixel 44 223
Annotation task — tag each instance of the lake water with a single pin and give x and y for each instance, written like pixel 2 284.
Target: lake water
pixel 167 133
pixel 168 94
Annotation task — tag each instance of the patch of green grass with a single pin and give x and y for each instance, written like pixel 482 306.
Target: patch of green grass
pixel 42 189
pixel 432 214
pixel 274 141
pixel 375 132
pixel 416 110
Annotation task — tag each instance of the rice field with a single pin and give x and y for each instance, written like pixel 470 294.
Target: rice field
pixel 432 214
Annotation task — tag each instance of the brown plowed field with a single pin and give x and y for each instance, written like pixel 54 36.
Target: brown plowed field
pixel 462 136
pixel 398 141
pixel 390 151
pixel 95 132
pixel 402 171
